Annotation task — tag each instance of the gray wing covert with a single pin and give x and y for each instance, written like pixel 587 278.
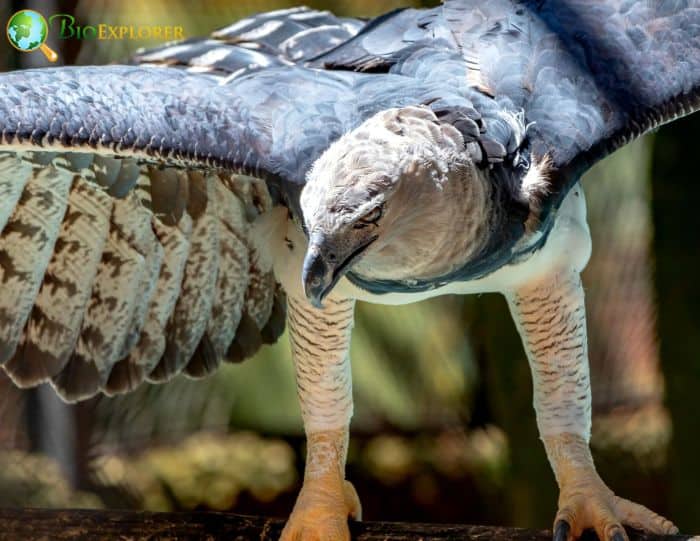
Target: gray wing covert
pixel 590 74
pixel 275 38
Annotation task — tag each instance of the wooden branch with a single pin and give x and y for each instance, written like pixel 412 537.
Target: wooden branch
pixel 84 525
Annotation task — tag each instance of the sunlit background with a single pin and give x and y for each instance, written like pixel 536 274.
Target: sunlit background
pixel 443 429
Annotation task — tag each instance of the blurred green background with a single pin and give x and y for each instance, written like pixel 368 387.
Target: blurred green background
pixel 444 430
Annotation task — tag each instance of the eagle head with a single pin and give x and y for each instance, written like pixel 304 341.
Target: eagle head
pixel 372 201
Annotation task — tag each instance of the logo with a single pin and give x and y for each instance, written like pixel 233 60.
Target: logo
pixel 27 31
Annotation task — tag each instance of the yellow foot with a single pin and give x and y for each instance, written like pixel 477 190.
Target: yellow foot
pixel 589 503
pixel 321 511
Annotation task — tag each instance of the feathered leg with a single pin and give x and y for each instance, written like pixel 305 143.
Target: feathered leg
pixel 551 318
pixel 320 341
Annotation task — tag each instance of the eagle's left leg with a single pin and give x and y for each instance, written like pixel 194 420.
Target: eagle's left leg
pixel 320 340
pixel 550 315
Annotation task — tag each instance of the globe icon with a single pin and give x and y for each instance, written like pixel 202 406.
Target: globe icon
pixel 27 31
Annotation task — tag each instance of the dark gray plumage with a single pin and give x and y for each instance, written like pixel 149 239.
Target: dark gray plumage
pixel 590 75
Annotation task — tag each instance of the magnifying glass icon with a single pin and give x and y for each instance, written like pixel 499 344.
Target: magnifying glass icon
pixel 27 31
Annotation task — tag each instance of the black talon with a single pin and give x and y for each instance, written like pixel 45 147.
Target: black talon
pixel 561 531
pixel 617 536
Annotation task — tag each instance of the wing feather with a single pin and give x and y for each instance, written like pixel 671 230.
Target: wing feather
pixel 89 328
pixel 590 75
pixel 231 284
pixel 113 303
pixel 26 245
pixel 59 308
pixel 173 228
pixel 193 309
pixel 14 175
pixel 260 292
pixel 145 241
pixel 269 39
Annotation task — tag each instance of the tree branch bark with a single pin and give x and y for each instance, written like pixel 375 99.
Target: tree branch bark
pixel 91 525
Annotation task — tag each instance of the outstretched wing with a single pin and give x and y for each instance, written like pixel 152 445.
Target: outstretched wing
pixel 590 75
pixel 124 236
pixel 119 264
pixel 125 249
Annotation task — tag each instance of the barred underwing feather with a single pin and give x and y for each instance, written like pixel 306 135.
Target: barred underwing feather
pixel 252 192
pixel 14 175
pixel 26 245
pixel 274 327
pixel 77 162
pixel 204 360
pixel 262 285
pixel 79 379
pixel 38 158
pixel 57 316
pixel 169 194
pixel 235 261
pixel 193 308
pixel 131 371
pixel 165 192
pixel 231 286
pixel 144 240
pixel 90 329
pixel 142 189
pixel 258 300
pixel 110 310
pixel 260 294
pixel 248 340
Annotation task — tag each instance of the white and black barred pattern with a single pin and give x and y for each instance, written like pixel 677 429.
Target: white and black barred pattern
pixel 320 340
pixel 551 318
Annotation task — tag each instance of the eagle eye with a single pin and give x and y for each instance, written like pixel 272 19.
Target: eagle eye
pixel 371 218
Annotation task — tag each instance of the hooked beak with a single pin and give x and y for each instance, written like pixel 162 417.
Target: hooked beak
pixel 324 266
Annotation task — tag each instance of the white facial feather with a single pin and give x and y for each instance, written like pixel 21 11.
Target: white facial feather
pixel 368 162
pixel 436 201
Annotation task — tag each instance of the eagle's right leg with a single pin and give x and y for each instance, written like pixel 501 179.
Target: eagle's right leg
pixel 320 340
pixel 550 315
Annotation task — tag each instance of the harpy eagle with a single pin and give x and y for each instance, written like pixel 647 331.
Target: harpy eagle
pixel 159 217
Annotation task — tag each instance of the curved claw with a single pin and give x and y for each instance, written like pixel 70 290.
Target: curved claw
pixel 561 531
pixel 588 503
pixel 617 536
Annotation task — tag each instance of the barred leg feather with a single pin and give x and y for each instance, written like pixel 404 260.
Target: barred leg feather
pixel 550 315
pixel 320 341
